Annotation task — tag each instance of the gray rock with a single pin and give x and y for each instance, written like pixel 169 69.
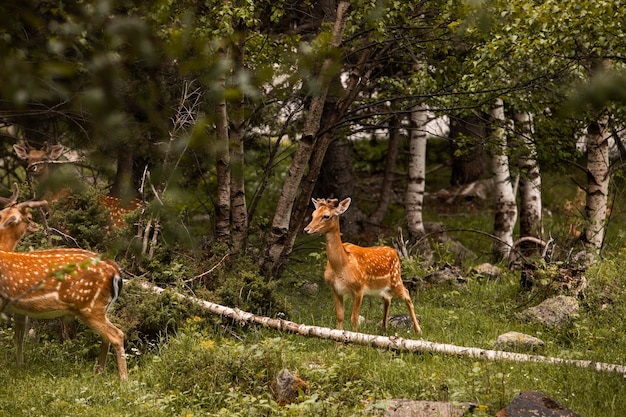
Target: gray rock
pixel 518 342
pixel 487 270
pixel 557 311
pixel 309 288
pixel 447 274
pixel 409 408
pixel 533 403
pixel 400 322
pixel 287 386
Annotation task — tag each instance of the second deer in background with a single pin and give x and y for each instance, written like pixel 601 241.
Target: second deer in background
pixel 354 270
pixel 37 168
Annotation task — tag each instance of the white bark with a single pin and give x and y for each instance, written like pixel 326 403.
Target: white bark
pixel 384 342
pixel 506 208
pixel 414 199
pixel 530 179
pixel 598 178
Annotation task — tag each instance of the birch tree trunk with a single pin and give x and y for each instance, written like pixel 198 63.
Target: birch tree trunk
pixel 278 234
pixel 383 342
pixel 239 211
pixel 598 178
pixel 530 179
pixel 506 207
pixel 222 199
pixel 530 197
pixel 414 200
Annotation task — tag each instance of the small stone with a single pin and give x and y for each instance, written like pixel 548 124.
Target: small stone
pixel 409 408
pixel 557 311
pixel 518 342
pixel 488 271
pixel 287 386
pixel 400 322
pixel 309 288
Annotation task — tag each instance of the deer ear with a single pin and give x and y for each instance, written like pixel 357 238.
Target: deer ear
pixel 55 151
pixel 11 220
pixel 21 151
pixel 315 203
pixel 343 206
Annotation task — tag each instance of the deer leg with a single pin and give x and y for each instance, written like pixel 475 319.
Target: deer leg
pixel 409 304
pixel 338 309
pixel 18 337
pixel 111 335
pixel 102 357
pixel 67 328
pixel 416 325
pixel 402 293
pixel 358 298
pixel 386 305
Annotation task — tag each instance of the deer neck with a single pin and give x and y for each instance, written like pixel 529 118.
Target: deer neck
pixel 335 251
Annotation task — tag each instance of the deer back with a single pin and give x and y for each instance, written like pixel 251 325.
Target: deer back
pixel 55 282
pixel 376 266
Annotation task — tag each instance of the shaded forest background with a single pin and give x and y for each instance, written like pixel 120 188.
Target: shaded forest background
pixel 225 119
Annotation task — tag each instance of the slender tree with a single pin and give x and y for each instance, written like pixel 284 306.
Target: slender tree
pixel 277 236
pixel 222 163
pixel 414 199
pixel 506 207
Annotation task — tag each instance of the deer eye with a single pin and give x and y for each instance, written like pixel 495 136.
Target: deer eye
pixel 326 216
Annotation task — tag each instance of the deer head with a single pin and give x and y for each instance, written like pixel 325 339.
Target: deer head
pixel 16 219
pixel 37 159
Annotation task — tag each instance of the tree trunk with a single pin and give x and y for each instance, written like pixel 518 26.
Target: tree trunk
pixel 239 211
pixel 598 178
pixel 222 199
pixel 414 200
pixel 360 71
pixel 337 180
pixel 383 342
pixel 386 185
pixel 530 196
pixel 277 237
pixel 469 158
pixel 123 185
pixel 530 180
pixel 506 208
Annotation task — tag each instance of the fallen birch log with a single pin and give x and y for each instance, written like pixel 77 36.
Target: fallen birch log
pixel 384 342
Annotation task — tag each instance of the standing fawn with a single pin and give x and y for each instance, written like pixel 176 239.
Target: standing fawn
pixel 354 270
pixel 56 283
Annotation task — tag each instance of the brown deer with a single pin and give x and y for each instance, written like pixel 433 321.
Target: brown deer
pixel 16 219
pixel 37 168
pixel 56 283
pixel 37 160
pixel 354 270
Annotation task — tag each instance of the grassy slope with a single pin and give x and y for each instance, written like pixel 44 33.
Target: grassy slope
pixel 213 368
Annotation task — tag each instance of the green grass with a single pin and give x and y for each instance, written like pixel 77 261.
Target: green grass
pixel 203 366
pixel 216 368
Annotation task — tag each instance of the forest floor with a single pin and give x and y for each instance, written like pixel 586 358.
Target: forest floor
pixel 211 366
